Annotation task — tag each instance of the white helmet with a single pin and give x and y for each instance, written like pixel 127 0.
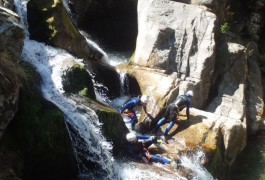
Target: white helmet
pixel 189 93
pixel 144 99
pixel 131 137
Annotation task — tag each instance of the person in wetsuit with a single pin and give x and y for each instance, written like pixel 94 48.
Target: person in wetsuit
pixel 138 148
pixel 172 112
pixel 128 108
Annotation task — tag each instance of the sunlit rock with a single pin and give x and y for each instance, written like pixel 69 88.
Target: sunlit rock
pixel 177 38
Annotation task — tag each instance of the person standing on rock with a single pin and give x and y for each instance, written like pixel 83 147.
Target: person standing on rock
pixel 129 106
pixel 172 112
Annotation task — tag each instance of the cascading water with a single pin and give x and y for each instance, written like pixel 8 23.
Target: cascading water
pixel 48 61
pixel 124 82
pixel 100 91
pixel 89 144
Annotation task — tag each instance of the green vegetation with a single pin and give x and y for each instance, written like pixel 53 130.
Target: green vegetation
pixel 225 28
pixel 84 92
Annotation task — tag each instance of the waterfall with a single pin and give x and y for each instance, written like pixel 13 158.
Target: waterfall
pixel 100 90
pixel 48 62
pixel 124 82
pixel 89 144
pixel 21 9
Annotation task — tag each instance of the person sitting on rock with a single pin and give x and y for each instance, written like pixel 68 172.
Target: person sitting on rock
pixel 129 106
pixel 138 148
pixel 172 112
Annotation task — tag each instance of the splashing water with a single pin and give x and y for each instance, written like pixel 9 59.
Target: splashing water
pixel 100 91
pixel 116 59
pixel 194 162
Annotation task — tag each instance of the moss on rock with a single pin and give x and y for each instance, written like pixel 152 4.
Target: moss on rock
pixel 77 80
pixel 113 126
pixel 50 23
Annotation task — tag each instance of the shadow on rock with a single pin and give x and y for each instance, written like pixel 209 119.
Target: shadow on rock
pixel 184 124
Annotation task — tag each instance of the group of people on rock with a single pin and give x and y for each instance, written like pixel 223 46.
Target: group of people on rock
pixel 138 144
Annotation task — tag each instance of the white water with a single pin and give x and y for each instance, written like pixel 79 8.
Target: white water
pixel 100 91
pixel 194 162
pixel 88 143
pixel 124 82
pixel 48 62
pixel 116 59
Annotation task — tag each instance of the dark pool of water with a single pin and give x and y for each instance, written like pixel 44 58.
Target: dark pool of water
pixel 251 164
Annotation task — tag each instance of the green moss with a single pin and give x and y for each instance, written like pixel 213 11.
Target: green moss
pixel 216 160
pixel 84 92
pixel 56 2
pixel 132 57
pixel 225 28
pixel 76 80
pixel 51 27
pixel 218 166
pixel 109 118
pixel 113 128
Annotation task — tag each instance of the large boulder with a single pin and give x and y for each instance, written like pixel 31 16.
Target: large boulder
pixel 49 22
pixel 232 67
pixel 113 126
pixel 36 143
pixel 184 45
pixel 160 87
pixel 7 4
pixel 107 79
pixel 77 80
pixel 11 74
